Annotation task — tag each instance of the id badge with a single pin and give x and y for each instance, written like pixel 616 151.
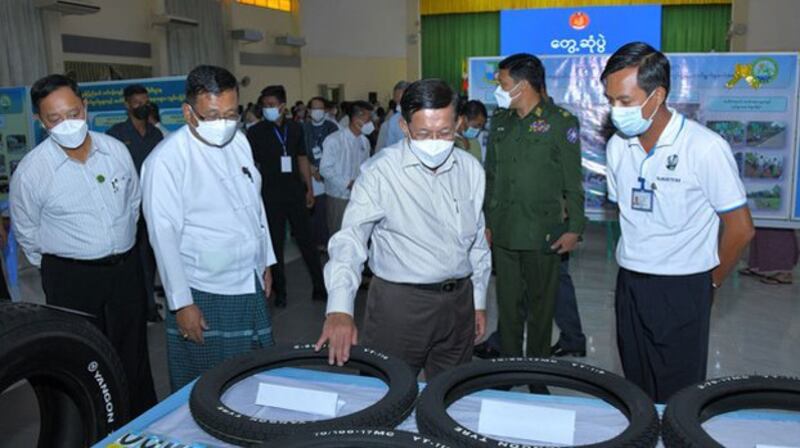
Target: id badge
pixel 286 164
pixel 642 200
pixel 317 152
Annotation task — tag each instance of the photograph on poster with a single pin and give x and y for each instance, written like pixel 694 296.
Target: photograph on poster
pixel 732 131
pixel 762 166
pixel 766 134
pixel 766 199
pixel 17 145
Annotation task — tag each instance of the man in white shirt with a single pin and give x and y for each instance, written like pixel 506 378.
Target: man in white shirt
pixel 343 152
pixel 208 228
pixel 420 205
pixel 74 204
pixel 390 132
pixel 673 181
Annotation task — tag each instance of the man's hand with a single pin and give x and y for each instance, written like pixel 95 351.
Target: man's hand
pixel 340 333
pixel 480 324
pixel 267 283
pixel 310 200
pixel 489 237
pixel 567 243
pixel 191 323
pixel 315 174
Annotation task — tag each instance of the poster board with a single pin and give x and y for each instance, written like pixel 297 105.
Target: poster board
pixel 16 124
pixel 750 99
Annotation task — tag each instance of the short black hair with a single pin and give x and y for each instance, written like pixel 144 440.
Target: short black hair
pixel 427 94
pixel 155 112
pixel 318 98
pixel 525 67
pixel 473 109
pixel 358 108
pixel 133 89
pixel 652 64
pixel 42 88
pixel 209 79
pixel 276 91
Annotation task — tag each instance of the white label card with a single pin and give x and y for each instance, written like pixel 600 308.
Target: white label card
pixel 286 164
pixel 298 399
pixel 527 422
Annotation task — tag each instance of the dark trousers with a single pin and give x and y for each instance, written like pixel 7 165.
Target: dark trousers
pixel 148 262
pixel 296 213
pixel 319 221
pixel 662 330
pixel 431 330
pixel 114 295
pixel 527 285
pixel 566 314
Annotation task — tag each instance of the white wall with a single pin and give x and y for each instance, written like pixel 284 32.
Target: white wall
pixel 771 25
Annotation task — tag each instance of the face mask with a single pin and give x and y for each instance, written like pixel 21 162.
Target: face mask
pixel 317 115
pixel 504 98
pixel 368 128
pixel 70 134
pixel 629 120
pixel 432 153
pixel 272 113
pixel 472 132
pixel 142 112
pixel 216 132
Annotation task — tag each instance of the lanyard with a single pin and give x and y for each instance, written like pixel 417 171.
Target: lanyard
pixel 281 137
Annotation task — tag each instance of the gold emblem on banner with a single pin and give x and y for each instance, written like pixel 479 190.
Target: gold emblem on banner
pixel 759 72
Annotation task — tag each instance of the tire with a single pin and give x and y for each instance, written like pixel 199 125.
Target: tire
pixel 357 438
pixel 78 379
pixel 439 394
pixel 690 407
pixel 226 424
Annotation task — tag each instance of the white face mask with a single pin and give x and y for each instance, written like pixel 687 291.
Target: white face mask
pixel 504 98
pixel 317 116
pixel 272 113
pixel 368 128
pixel 70 134
pixel 432 153
pixel 216 132
pixel 629 120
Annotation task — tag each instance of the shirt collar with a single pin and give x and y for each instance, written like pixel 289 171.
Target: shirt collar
pixel 669 134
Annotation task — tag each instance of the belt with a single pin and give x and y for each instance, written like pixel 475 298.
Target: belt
pixel 111 260
pixel 445 286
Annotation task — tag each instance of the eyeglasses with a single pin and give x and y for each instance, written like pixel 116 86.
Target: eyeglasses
pixel 233 116
pixel 444 134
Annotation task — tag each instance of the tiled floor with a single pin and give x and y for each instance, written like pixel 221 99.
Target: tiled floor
pixel 755 327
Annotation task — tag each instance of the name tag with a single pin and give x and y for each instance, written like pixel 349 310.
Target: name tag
pixel 317 151
pixel 642 200
pixel 286 164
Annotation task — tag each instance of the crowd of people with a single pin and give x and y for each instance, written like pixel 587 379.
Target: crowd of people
pixel 421 192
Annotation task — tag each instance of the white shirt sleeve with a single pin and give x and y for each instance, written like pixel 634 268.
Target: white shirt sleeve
pixel 25 211
pixel 718 176
pixel 163 209
pixel 480 256
pixel 611 177
pixel 382 135
pixel 331 165
pixel 348 247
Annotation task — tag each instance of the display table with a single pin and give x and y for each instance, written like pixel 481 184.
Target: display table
pixel 595 420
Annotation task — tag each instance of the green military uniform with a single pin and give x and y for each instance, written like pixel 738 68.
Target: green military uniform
pixel 533 169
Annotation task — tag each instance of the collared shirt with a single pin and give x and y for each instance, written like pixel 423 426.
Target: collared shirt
pixel 139 145
pixel 342 155
pixel 315 134
pixel 394 133
pixel 425 227
pixel 270 142
pixel 693 177
pixel 63 207
pixel 205 217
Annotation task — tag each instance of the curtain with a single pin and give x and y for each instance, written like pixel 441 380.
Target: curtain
pixel 22 50
pixel 448 40
pixel 695 28
pixel 471 6
pixel 205 44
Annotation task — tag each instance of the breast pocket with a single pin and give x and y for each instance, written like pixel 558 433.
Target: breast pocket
pixel 466 219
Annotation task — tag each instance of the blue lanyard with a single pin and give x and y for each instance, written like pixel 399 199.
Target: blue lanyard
pixel 281 136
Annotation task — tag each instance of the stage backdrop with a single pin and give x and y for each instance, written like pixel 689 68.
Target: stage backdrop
pixel 750 99
pixel 572 31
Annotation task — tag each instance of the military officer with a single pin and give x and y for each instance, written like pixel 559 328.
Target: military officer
pixel 533 170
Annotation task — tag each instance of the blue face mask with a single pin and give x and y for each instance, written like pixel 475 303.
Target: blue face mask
pixel 271 113
pixel 472 132
pixel 629 120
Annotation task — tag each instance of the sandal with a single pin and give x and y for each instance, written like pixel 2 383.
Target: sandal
pixel 750 272
pixel 781 278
